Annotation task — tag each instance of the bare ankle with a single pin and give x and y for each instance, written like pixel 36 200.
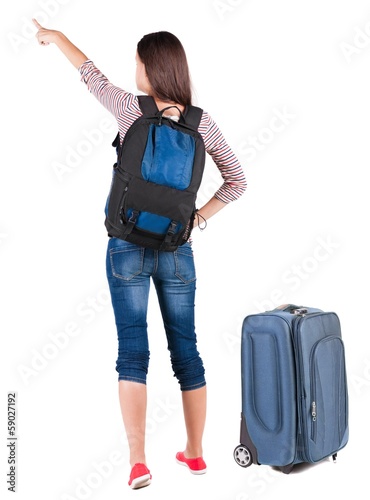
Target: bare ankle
pixel 137 459
pixel 193 451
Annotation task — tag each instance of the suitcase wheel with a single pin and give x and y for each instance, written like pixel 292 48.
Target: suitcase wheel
pixel 286 469
pixel 242 456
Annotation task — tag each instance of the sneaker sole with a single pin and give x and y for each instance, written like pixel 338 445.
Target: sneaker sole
pixel 140 482
pixel 196 472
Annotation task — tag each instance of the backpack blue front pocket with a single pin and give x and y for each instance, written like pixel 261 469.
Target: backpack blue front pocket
pixel 168 157
pixel 153 223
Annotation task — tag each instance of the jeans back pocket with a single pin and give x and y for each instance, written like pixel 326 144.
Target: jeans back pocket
pixel 126 260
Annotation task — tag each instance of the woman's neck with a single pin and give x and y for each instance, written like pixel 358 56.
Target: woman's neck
pixel 172 111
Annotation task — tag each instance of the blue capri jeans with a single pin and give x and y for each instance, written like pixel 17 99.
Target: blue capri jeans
pixel 130 269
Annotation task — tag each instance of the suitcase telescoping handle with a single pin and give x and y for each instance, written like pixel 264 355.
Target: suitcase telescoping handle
pixel 292 308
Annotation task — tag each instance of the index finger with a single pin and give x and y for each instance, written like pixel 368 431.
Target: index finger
pixel 37 24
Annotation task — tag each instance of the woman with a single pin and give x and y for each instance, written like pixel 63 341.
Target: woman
pixel 162 72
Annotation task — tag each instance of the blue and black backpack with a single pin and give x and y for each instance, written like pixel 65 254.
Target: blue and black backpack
pixel 156 178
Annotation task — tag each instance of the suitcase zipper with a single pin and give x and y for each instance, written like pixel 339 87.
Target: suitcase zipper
pixel 301 394
pixel 313 393
pixel 313 423
pixel 313 376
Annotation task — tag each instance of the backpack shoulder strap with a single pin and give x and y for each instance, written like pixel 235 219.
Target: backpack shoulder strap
pixel 147 104
pixel 193 115
pixel 148 107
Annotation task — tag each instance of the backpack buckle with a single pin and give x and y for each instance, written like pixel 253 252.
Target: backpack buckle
pixel 170 232
pixel 131 223
pixel 172 228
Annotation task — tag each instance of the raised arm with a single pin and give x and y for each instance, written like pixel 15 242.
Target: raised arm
pixel 46 37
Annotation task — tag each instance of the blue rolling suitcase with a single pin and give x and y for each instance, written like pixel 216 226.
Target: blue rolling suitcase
pixel 294 388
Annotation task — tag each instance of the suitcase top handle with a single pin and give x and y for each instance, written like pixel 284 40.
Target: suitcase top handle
pixel 292 308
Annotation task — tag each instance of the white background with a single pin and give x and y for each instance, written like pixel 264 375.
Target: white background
pixel 299 234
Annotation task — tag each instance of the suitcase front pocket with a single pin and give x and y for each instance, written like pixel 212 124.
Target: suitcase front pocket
pixel 328 415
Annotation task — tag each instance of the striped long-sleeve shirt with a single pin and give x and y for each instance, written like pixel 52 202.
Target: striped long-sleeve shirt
pixel 125 108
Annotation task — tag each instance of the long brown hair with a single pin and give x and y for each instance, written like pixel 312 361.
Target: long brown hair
pixel 166 67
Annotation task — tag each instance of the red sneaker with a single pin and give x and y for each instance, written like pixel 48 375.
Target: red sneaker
pixel 195 465
pixel 140 476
